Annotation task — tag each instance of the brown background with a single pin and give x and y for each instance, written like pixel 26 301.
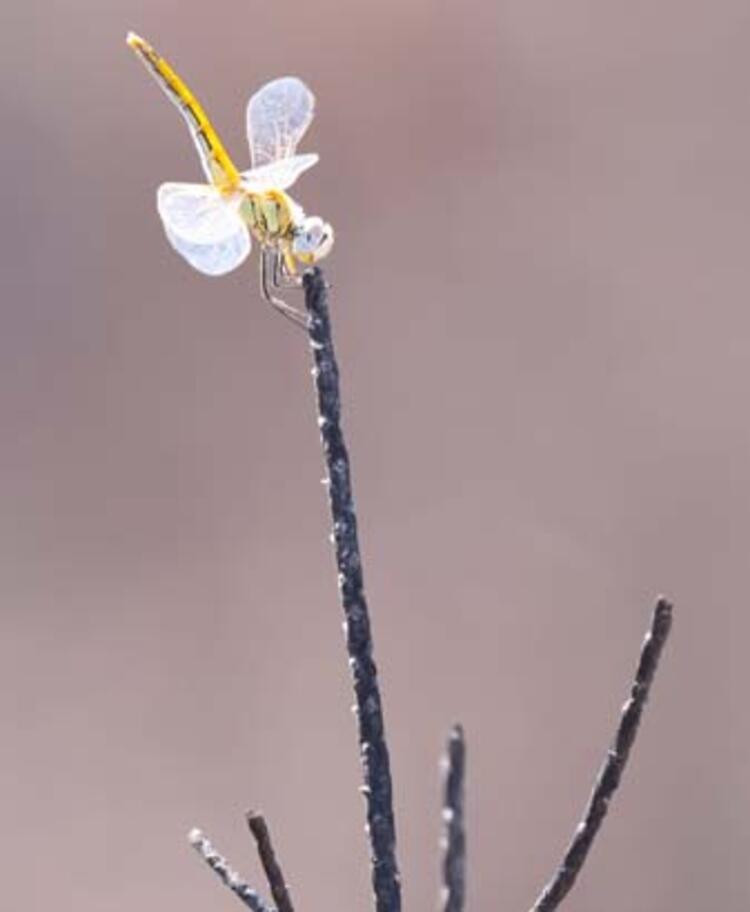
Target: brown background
pixel 543 322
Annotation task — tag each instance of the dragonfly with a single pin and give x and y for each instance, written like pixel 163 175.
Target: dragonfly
pixel 211 224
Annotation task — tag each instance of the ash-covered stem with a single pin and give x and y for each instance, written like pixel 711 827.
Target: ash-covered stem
pixel 279 890
pixel 228 877
pixel 454 837
pixel 373 749
pixel 614 764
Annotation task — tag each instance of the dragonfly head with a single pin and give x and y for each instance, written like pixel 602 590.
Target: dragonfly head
pixel 313 240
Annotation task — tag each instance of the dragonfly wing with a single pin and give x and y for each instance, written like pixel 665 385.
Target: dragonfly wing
pixel 278 175
pixel 203 226
pixel 277 117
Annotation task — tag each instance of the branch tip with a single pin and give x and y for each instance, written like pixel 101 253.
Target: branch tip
pixel 228 876
pixel 453 841
pixel 274 875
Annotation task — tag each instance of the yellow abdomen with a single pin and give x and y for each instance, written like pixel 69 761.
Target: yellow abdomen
pixel 219 167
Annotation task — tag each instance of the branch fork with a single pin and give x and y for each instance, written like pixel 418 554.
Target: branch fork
pixel 377 787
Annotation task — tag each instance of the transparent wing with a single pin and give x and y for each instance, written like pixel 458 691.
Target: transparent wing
pixel 277 117
pixel 203 226
pixel 278 175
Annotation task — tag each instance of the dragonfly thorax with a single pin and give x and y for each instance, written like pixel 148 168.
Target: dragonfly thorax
pixel 275 220
pixel 270 216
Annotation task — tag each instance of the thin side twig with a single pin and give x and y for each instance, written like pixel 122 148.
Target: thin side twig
pixel 279 890
pixel 377 788
pixel 614 764
pixel 454 836
pixel 228 877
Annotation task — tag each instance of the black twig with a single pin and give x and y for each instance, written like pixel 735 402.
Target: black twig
pixel 372 744
pixel 228 877
pixel 454 837
pixel 279 890
pixel 612 769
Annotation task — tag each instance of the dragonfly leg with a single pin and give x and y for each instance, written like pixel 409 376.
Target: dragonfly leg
pixel 284 274
pixel 267 271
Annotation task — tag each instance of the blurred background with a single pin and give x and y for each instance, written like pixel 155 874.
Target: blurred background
pixel 541 311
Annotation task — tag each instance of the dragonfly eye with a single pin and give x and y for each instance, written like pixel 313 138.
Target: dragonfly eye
pixel 313 240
